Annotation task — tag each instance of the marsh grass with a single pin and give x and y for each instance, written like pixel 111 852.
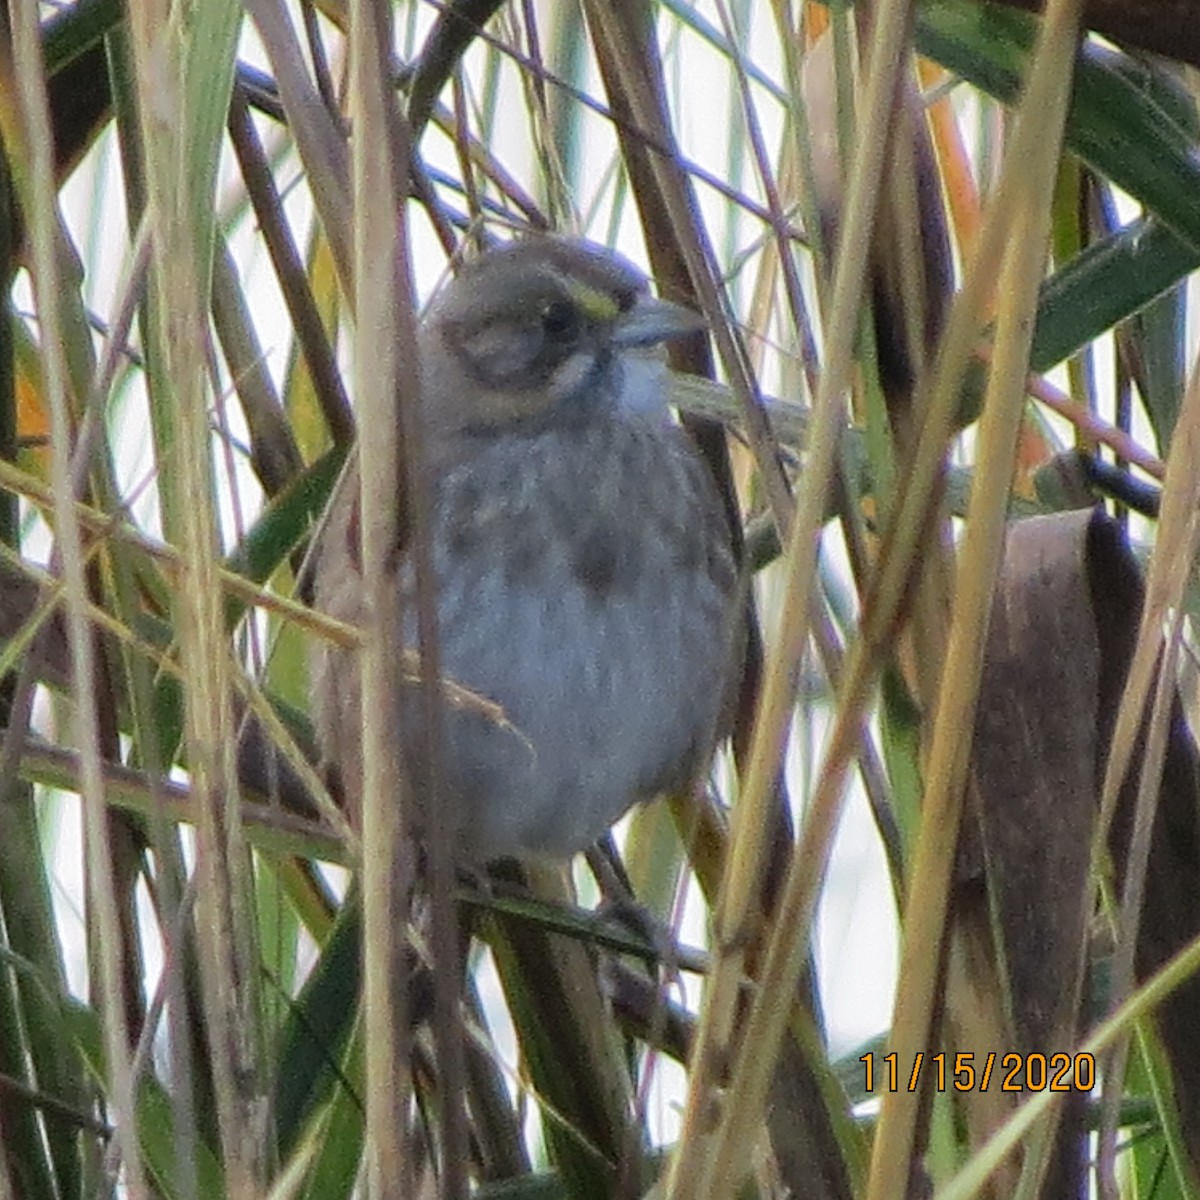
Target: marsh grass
pixel 896 228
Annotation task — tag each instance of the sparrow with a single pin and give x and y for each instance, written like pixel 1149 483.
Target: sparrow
pixel 584 573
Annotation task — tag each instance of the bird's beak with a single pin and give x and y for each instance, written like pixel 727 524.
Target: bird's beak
pixel 651 321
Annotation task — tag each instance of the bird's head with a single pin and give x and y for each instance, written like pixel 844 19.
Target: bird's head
pixel 540 331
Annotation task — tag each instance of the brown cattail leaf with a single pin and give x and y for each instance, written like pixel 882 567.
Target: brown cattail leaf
pixel 1170 916
pixel 1035 782
pixel 1062 633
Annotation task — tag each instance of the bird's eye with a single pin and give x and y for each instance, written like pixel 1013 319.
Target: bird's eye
pixel 627 299
pixel 560 321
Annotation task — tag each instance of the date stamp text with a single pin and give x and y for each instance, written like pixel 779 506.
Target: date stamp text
pixel 967 1072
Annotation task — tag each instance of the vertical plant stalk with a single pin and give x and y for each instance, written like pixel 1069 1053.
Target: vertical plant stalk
pixel 1035 161
pixel 715 1168
pixel 970 1181
pixel 41 214
pixel 1164 583
pixel 320 144
pixel 1133 895
pixel 384 340
pixel 1152 668
pixel 172 68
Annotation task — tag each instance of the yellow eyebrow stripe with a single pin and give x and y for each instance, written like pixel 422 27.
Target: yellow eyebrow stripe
pixel 593 303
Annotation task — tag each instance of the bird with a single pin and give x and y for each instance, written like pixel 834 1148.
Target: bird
pixel 583 567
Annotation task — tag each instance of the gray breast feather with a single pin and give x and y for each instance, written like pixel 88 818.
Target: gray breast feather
pixel 592 604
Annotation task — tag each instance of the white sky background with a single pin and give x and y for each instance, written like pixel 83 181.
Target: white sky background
pixel 856 936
